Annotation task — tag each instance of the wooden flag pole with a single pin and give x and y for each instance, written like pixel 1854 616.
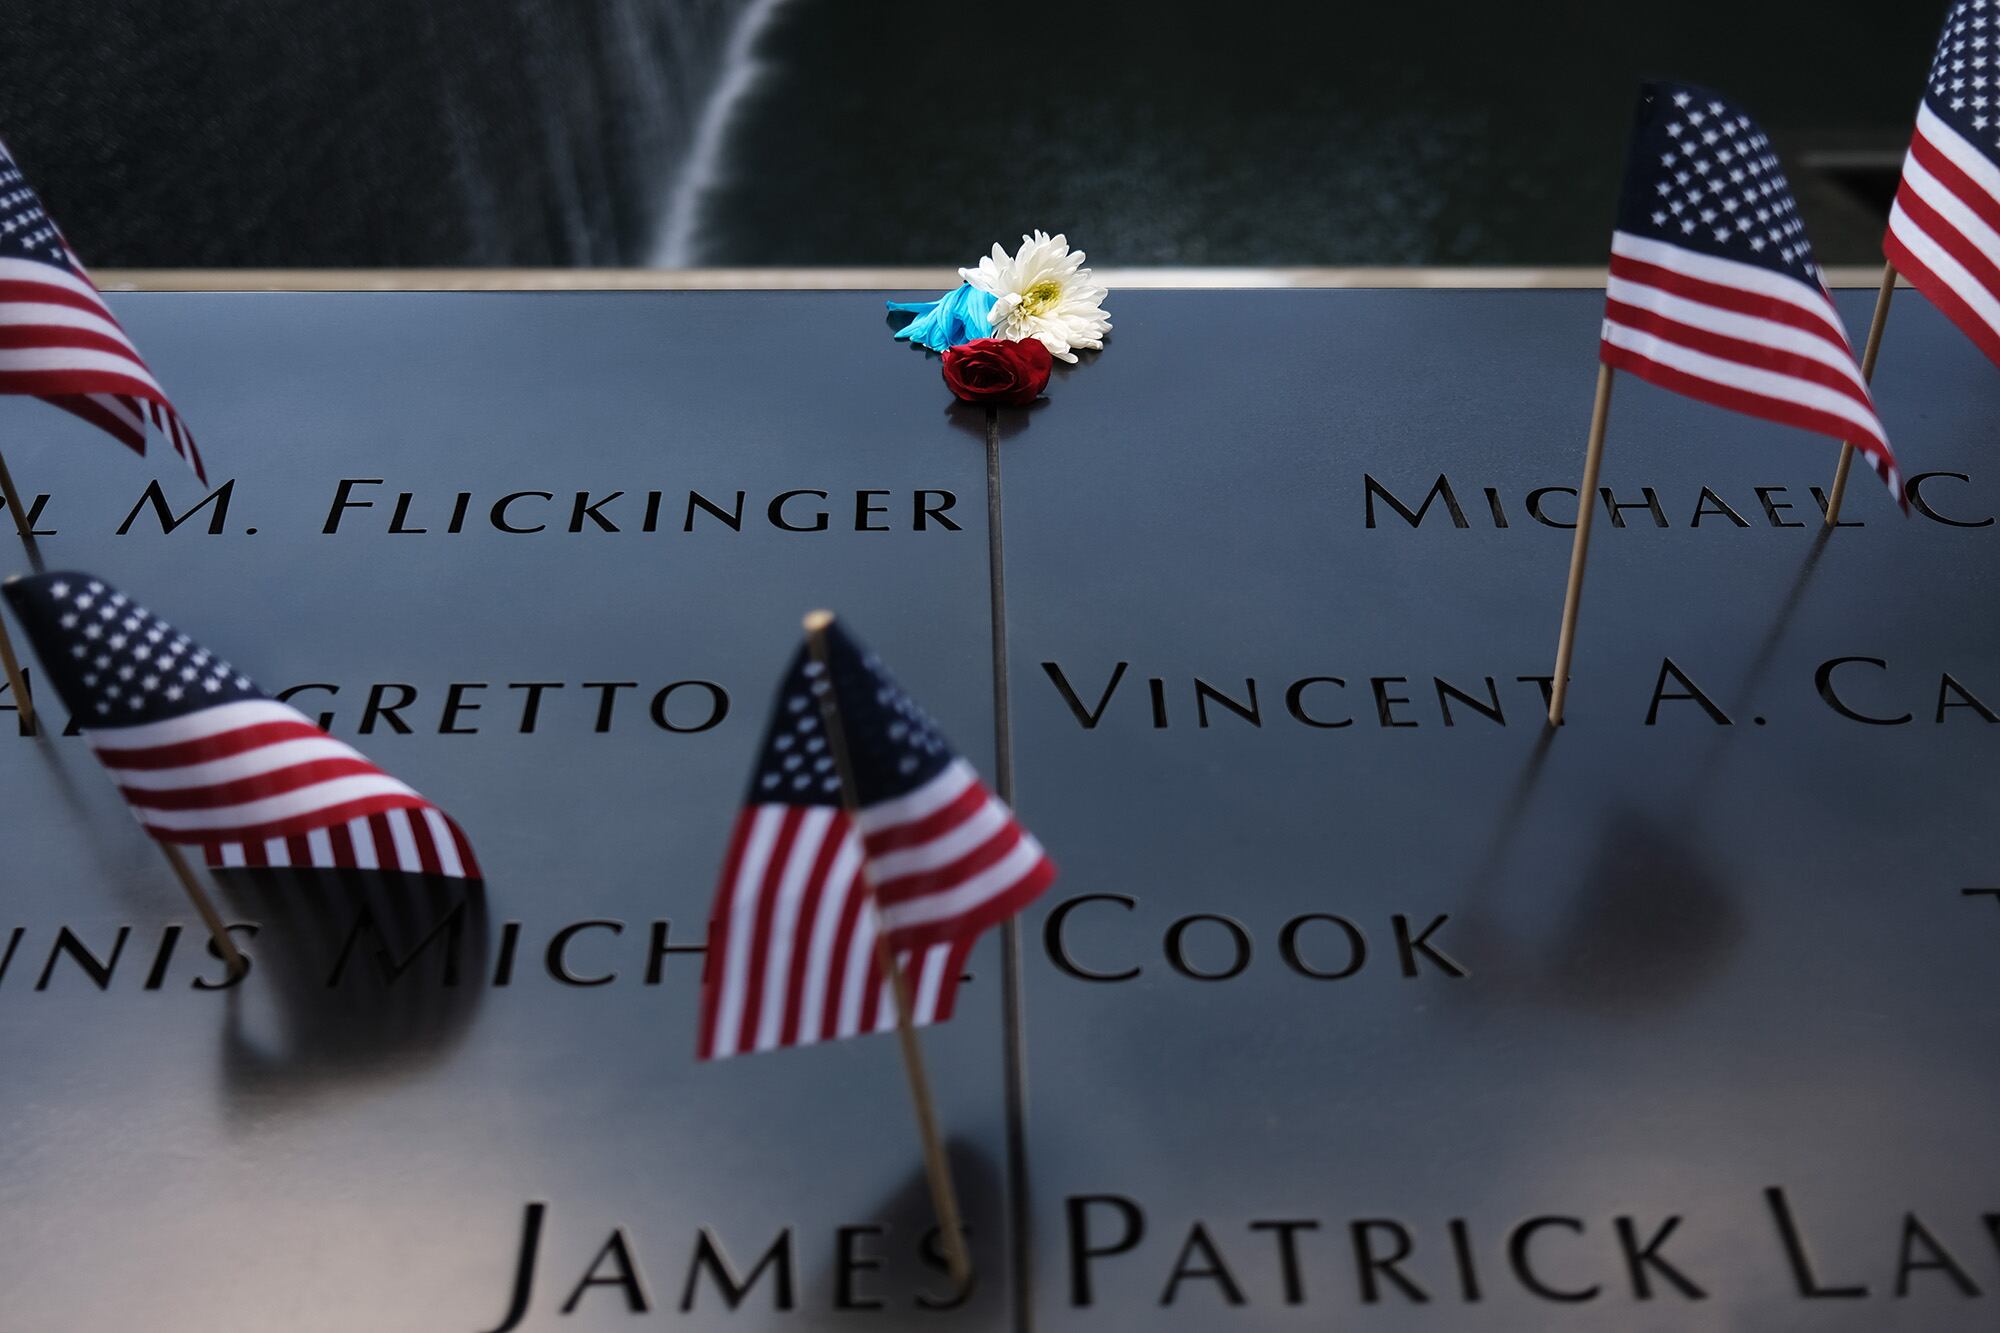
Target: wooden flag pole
pixel 15 681
pixel 944 1198
pixel 1868 354
pixel 17 684
pixel 210 917
pixel 1586 509
pixel 14 506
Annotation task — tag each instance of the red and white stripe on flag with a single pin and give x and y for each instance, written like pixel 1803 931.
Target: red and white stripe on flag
pixel 1944 229
pixel 1741 337
pixel 792 957
pixel 254 783
pixel 61 343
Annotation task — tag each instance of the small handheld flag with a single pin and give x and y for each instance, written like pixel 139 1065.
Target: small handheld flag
pixel 866 851
pixel 1714 293
pixel 58 340
pixel 1944 229
pixel 927 855
pixel 206 759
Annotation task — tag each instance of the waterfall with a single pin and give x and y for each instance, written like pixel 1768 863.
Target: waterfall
pixel 575 128
pixel 678 242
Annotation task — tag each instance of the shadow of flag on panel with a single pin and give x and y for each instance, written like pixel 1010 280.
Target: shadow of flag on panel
pixel 370 978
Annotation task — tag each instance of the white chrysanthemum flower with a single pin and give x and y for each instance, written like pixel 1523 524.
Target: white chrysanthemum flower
pixel 1043 292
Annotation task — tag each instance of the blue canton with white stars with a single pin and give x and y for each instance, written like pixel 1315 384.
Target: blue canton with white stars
pixel 26 231
pixel 115 663
pixel 1963 89
pixel 893 744
pixel 1702 176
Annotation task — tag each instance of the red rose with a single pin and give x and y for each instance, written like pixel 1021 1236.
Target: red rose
pixel 993 370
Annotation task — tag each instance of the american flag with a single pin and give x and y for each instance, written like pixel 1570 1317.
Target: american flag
pixel 60 343
pixel 1714 292
pixel 931 856
pixel 1944 230
pixel 206 759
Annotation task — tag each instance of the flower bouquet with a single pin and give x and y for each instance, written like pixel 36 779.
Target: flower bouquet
pixel 1002 328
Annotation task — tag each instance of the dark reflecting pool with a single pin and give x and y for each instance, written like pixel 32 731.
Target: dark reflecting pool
pixel 822 132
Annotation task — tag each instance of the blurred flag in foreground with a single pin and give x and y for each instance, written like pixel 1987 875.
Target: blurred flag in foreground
pixel 207 760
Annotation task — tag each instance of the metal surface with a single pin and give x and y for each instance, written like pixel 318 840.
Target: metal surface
pixel 834 279
pixel 1700 962
pixel 290 1155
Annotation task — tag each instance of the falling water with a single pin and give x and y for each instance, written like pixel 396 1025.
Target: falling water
pixel 678 243
pixel 620 110
pixel 631 110
pixel 625 127
pixel 576 132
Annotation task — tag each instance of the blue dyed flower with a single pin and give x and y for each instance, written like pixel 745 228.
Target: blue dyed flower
pixel 957 317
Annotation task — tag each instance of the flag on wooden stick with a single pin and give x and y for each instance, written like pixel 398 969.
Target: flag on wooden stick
pixel 1944 230
pixel 927 855
pixel 1714 291
pixel 1944 227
